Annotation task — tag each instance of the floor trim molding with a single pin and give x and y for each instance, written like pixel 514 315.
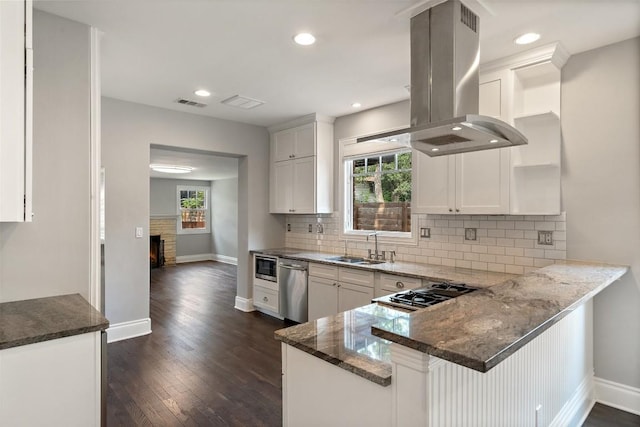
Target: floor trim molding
pixel 617 395
pixel 576 409
pixel 206 257
pixel 127 330
pixel 244 304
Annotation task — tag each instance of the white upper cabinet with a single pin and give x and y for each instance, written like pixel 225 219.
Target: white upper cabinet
pixel 302 166
pixel 16 83
pixel 522 90
pixel 468 183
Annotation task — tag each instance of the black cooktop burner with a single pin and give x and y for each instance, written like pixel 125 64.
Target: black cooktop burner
pixel 434 294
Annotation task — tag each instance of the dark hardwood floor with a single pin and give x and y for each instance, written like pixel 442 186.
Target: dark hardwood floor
pixel 208 364
pixel 205 363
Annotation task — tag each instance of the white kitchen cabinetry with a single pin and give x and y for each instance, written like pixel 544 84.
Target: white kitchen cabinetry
pixel 391 284
pixel 468 183
pixel 51 383
pixel 302 166
pixel 16 84
pixel 523 90
pixel 334 289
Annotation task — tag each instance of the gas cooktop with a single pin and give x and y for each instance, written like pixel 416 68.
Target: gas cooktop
pixel 425 297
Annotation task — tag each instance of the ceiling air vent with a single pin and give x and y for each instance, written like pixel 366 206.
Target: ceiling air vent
pixel 190 103
pixel 468 18
pixel 243 102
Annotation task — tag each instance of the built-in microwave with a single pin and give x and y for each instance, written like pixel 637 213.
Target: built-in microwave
pixel 266 267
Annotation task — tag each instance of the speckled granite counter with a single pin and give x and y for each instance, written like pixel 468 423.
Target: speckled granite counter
pixel 42 319
pixel 481 329
pixel 345 340
pixel 477 278
pixel 478 330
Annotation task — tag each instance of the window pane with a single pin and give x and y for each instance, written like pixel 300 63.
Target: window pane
pixel 382 198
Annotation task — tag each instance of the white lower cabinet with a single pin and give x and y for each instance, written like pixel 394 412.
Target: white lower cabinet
pixel 52 383
pixel 266 298
pixel 391 284
pixel 334 289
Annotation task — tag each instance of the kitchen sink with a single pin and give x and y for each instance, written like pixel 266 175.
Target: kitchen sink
pixel 355 260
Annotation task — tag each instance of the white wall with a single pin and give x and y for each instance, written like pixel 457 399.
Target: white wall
pixel 601 192
pixel 163 201
pixel 128 131
pixel 224 213
pixel 51 256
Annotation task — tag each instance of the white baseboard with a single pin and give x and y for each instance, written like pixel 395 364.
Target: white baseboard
pixel 225 259
pixel 126 330
pixel 577 408
pixel 617 395
pixel 244 304
pixel 206 257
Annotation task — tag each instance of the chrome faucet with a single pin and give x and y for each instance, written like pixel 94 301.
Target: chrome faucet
pixel 375 237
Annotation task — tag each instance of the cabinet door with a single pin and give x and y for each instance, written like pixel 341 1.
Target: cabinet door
pixel 284 145
pixel 433 184
pixel 304 185
pixel 281 187
pixel 305 141
pixel 352 296
pixel 482 182
pixel 323 298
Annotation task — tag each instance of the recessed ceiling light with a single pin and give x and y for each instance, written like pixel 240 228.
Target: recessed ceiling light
pixel 493 141
pixel 356 105
pixel 202 92
pixel 435 149
pixel 304 39
pixel 171 168
pixel 527 38
pixel 456 128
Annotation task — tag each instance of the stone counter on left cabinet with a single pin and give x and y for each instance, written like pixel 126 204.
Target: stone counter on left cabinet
pixel 50 362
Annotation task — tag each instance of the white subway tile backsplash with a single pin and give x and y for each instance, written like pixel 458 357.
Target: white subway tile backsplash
pixel 504 243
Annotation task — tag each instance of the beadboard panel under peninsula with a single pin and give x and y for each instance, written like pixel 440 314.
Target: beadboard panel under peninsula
pixel 504 243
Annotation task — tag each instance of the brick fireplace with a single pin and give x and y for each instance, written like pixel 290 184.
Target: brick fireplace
pixel 165 227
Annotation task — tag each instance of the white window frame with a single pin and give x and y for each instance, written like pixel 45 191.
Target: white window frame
pixel 349 149
pixel 207 207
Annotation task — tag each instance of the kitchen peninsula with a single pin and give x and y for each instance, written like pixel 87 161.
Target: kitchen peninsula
pixel 517 352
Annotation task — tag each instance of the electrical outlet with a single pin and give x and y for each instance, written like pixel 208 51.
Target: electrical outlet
pixel 288 227
pixel 545 237
pixel 138 232
pixel 319 229
pixel 310 228
pixel 470 234
pixel 425 232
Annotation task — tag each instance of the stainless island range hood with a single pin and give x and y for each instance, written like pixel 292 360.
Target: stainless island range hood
pixel 445 55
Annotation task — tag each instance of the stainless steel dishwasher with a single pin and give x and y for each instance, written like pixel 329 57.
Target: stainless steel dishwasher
pixel 292 280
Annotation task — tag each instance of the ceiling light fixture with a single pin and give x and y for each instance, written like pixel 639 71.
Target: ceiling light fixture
pixel 527 38
pixel 202 92
pixel 171 168
pixel 493 141
pixel 304 39
pixel 435 149
pixel 356 105
pixel 456 128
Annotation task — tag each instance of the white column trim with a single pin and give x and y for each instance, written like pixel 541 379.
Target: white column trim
pixel 244 304
pixel 127 330
pixel 95 292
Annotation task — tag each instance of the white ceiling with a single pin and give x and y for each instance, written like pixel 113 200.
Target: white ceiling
pixel 207 167
pixel 155 51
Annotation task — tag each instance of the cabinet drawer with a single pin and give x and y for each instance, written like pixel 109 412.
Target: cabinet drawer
pixel 265 298
pixel 359 277
pixel 392 283
pixel 325 271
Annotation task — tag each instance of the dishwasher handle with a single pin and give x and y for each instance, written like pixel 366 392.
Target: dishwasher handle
pixel 293 267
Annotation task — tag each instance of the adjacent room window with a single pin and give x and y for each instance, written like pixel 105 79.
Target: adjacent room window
pixel 378 193
pixel 193 207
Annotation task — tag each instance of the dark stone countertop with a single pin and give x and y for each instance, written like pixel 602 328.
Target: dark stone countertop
pixel 477 278
pixel 42 319
pixel 345 340
pixel 481 329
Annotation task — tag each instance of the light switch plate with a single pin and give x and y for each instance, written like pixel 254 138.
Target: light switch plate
pixel 138 232
pixel 545 238
pixel 470 234
pixel 310 228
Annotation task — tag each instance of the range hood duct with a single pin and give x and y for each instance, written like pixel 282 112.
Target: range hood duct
pixel 445 55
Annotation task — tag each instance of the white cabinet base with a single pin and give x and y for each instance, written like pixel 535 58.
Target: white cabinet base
pixel 52 383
